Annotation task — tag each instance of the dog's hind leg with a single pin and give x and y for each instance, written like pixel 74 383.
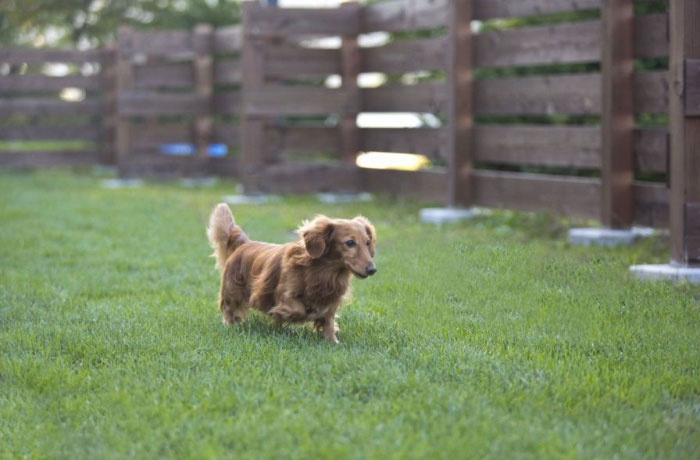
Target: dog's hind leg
pixel 290 311
pixel 232 310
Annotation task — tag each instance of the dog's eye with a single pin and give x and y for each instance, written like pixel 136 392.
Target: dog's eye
pixel 350 243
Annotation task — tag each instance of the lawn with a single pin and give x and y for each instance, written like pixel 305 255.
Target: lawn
pixel 488 339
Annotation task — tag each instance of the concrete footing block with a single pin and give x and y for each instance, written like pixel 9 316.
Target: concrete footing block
pixel 121 183
pixel 441 216
pixel 340 198
pixel 252 199
pixel 607 236
pixel 666 272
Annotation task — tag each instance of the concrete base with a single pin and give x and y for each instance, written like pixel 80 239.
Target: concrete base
pixel 339 198
pixel 607 236
pixel 441 216
pixel 121 183
pixel 251 199
pixel 191 182
pixel 667 272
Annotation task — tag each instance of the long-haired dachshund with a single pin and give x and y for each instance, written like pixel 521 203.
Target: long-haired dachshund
pixel 294 282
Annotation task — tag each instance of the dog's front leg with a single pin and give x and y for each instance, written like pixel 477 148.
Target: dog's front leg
pixel 328 326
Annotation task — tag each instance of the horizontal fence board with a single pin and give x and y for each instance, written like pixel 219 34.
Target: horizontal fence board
pixel 400 15
pixel 179 75
pixel 297 100
pixel 651 35
pixel 288 61
pixel 150 136
pixel 227 133
pixel 567 94
pixel 45 159
pixel 651 204
pixel 228 72
pixel 692 90
pixel 562 43
pixel 650 92
pixel 569 196
pixel 425 141
pixel 159 43
pixel 302 139
pixel 228 103
pixel 285 22
pixel 307 178
pixel 228 39
pixel 165 166
pixel 35 82
pixel 406 56
pixel 490 9
pixel 46 107
pixel 423 97
pixel 15 55
pixel 425 185
pixel 556 146
pixel 36 132
pixel 651 150
pixel 131 103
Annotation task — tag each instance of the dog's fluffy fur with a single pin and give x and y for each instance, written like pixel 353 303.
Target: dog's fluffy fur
pixel 296 282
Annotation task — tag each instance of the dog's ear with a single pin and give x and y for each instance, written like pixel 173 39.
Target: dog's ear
pixel 369 228
pixel 317 236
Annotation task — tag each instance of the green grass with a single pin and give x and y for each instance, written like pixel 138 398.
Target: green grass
pixel 489 339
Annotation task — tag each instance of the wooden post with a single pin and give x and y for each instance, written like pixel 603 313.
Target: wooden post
pixel 685 134
pixel 460 119
pixel 350 67
pixel 252 127
pixel 203 38
pixel 125 82
pixel 108 83
pixel 617 117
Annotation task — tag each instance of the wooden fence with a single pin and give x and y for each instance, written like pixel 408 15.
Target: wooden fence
pixel 519 128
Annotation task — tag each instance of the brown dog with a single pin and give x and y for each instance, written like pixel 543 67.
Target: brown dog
pixel 293 282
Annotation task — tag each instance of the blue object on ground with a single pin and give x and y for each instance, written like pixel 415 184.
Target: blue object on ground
pixel 181 149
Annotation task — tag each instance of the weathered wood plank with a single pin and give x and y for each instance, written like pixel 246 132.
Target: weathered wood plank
pixel 307 178
pixel 203 39
pixel 651 204
pixel 299 100
pixel 489 9
pixel 168 43
pixel 46 159
pixel 555 146
pixel 692 87
pixel 568 94
pixel 228 103
pixel 228 72
pixel 425 141
pixel 400 15
pixel 36 82
pixel 651 150
pixel 39 106
pixel 350 68
pixel 31 132
pixel 130 103
pixel 286 22
pixel 160 75
pixel 124 80
pixel 425 185
pixel 16 55
pixel 302 139
pixel 150 136
pixel 537 192
pixel 423 97
pixel 288 61
pixel 406 56
pixel 651 37
pixel 227 133
pixel 650 92
pixel 228 39
pixel 617 114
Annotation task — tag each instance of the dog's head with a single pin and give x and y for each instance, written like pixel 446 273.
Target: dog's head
pixel 349 241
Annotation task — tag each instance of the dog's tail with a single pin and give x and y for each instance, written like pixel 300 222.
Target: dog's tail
pixel 223 233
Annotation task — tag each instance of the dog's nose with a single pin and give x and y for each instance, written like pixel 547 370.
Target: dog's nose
pixel 371 269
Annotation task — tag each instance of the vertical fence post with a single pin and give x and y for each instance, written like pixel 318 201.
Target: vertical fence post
pixel 350 68
pixel 252 126
pixel 203 40
pixel 125 82
pixel 685 133
pixel 109 103
pixel 459 97
pixel 617 117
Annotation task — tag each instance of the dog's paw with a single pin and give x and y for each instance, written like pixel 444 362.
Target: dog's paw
pixel 332 339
